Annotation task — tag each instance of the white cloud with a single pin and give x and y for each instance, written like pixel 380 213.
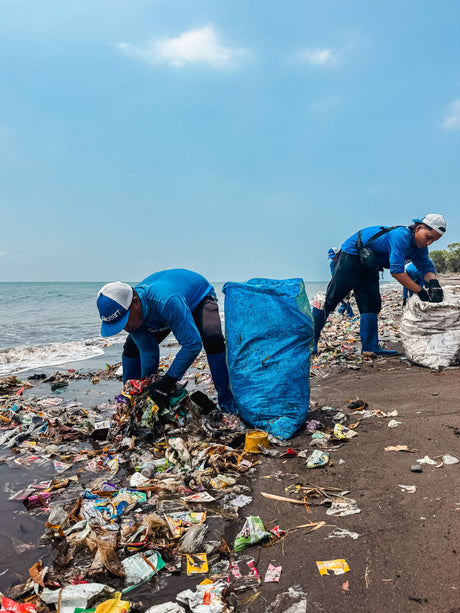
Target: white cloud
pixel 452 120
pixel 319 56
pixel 201 46
pixel 3 254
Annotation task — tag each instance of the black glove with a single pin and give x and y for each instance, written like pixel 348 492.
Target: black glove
pixel 435 291
pixel 160 390
pixel 423 295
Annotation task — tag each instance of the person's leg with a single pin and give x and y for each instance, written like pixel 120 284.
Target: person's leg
pixel 209 325
pixel 369 302
pixel 130 360
pixel 346 273
pixel 349 310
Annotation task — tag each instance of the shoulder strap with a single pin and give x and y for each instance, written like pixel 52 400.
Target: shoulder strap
pixel 380 233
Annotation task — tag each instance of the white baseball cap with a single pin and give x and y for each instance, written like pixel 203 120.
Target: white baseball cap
pixel 113 302
pixel 436 222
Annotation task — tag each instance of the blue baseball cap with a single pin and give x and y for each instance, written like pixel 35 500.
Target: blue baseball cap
pixel 113 302
pixel 333 251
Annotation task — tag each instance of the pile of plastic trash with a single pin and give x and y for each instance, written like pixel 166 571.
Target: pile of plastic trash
pixel 138 493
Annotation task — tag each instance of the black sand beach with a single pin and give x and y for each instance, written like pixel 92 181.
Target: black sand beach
pixel 406 555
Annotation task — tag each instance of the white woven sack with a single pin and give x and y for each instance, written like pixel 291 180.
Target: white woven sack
pixel 430 331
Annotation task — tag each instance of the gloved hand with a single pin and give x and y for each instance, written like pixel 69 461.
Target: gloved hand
pixel 435 291
pixel 423 295
pixel 160 390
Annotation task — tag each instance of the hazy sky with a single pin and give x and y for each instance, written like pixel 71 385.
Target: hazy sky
pixel 236 138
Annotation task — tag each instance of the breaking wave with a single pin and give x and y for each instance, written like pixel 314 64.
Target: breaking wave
pixel 17 359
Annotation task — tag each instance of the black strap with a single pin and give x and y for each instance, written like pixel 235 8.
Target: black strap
pixel 377 235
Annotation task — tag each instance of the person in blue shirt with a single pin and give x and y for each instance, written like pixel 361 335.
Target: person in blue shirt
pixel 390 248
pixel 415 275
pixel 345 306
pixel 178 301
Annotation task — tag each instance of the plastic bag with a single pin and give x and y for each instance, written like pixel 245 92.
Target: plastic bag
pixel 269 337
pixel 252 532
pixel 430 331
pixel 319 300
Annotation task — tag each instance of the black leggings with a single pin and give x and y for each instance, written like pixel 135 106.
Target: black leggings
pixel 207 320
pixel 350 274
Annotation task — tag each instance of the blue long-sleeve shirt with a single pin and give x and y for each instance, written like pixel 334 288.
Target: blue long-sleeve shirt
pixel 415 275
pixel 393 249
pixel 168 299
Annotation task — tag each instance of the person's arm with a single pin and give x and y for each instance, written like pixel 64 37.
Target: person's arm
pixel 406 281
pixel 425 265
pixel 399 241
pixel 179 318
pixel 149 351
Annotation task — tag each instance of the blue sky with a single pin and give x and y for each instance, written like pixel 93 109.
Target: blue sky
pixel 234 138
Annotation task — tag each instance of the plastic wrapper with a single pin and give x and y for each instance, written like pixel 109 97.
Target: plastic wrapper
pixel 341 533
pixel 342 432
pixel 114 605
pixel 200 497
pixel 294 600
pixel 166 607
pixel 197 563
pixel 343 507
pixel 252 532
pixel 273 574
pixel 241 501
pixel 179 522
pixel 141 567
pixel 11 606
pixel 318 458
pixel 207 598
pixel 409 489
pixel 72 597
pixel 221 481
pixel 337 567
pixel 193 539
pixel 243 573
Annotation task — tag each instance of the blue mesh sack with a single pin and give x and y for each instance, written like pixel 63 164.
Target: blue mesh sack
pixel 269 333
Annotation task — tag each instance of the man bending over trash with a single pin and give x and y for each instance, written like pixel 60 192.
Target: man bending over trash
pixel 178 301
pixel 373 249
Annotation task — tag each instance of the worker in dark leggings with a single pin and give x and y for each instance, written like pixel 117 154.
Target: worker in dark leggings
pixel 178 301
pixel 370 250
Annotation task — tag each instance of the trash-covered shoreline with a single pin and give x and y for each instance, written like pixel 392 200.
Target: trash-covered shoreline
pixel 161 509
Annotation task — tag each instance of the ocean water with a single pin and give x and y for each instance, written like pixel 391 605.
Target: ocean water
pixel 56 324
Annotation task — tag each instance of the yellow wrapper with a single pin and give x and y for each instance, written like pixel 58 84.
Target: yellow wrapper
pixel 338 567
pixel 197 563
pixel 113 606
